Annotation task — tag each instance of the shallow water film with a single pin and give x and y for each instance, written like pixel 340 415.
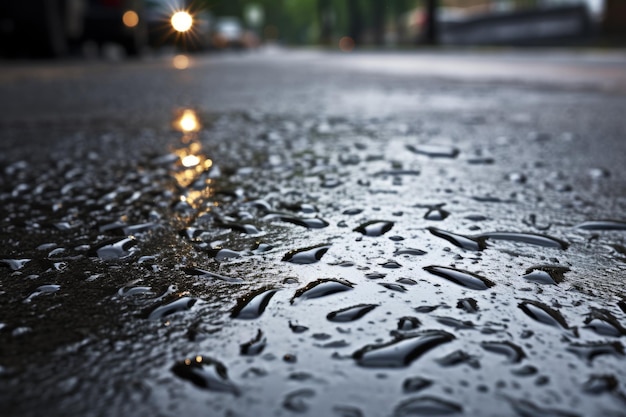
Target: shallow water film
pixel 266 265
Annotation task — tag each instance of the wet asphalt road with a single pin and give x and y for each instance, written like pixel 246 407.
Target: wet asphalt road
pixel 302 232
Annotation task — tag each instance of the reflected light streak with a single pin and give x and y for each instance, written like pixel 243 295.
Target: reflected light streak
pixel 181 62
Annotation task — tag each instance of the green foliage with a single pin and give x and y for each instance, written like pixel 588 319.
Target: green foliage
pixel 315 21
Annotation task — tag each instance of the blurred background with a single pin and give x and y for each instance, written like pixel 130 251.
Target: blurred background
pixel 55 28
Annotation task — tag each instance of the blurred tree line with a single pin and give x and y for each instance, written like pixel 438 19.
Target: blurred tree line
pixel 324 21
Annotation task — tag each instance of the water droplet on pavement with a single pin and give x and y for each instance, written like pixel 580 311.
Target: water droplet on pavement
pixel 402 351
pixel 162 310
pixel 252 305
pixel 464 242
pixel 321 288
pixel 254 346
pixel 464 278
pixel 426 406
pixel 434 151
pixel 307 255
pixel 351 313
pixel 602 225
pixel 205 373
pixel 374 228
pixel 514 353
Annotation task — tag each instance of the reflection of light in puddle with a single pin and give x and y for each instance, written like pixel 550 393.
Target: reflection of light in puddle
pixel 190 161
pixel 188 121
pixel 193 167
pixel 181 62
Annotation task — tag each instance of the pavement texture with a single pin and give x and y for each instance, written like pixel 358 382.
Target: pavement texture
pixel 311 233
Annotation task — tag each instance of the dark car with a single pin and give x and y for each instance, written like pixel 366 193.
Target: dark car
pixel 51 27
pixel 118 21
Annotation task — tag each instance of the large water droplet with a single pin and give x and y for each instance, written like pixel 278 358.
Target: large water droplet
pixel 223 254
pixel 530 238
pixel 415 384
pixel 252 305
pixel 409 251
pixel 130 290
pixel 464 242
pixel 307 255
pixel 296 401
pixel 308 222
pixel 464 278
pixel 162 310
pixel 544 314
pixel 254 346
pixel 602 225
pixel 604 323
pixel 455 323
pixel 546 274
pixel 297 328
pixel 402 351
pixel 117 249
pixel 513 353
pixel 321 288
pixel 426 406
pixel 375 228
pixel 434 151
pixel 525 408
pixel 391 265
pixel 408 323
pixel 351 313
pixel 15 264
pixel 590 350
pixel 393 287
pixel 599 384
pixel 459 357
pixel 436 213
pixel 44 289
pixel 469 305
pixel 205 373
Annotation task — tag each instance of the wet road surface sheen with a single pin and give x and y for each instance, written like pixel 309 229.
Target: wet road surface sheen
pixel 311 271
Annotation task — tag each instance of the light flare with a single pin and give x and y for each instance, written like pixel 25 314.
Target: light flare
pixel 130 18
pixel 181 21
pixel 181 62
pixel 190 161
pixel 188 121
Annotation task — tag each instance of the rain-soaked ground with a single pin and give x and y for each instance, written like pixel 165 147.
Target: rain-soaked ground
pixel 262 263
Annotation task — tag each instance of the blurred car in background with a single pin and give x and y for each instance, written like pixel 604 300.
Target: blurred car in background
pixel 229 32
pixel 117 21
pixel 50 28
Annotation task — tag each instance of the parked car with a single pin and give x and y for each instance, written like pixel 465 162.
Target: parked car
pixel 51 27
pixel 228 33
pixel 119 21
